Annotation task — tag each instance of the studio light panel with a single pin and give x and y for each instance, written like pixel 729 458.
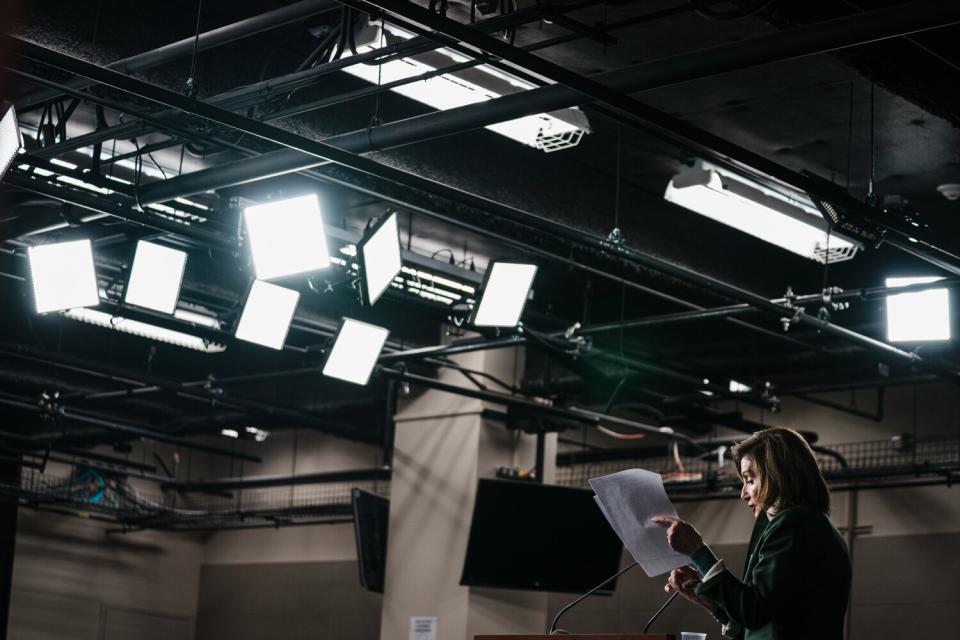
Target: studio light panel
pixel 63 276
pixel 505 291
pixel 10 139
pixel 266 316
pixel 380 258
pixel 355 351
pixel 287 237
pixel 155 278
pixel 919 316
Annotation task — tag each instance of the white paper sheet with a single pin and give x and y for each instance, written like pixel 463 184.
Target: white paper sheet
pixel 629 499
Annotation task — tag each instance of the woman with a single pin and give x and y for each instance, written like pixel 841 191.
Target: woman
pixel 797 577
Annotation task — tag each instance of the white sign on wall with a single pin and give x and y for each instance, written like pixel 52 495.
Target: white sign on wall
pixel 422 628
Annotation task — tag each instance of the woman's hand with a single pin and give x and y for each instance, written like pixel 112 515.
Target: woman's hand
pixel 681 536
pixel 684 581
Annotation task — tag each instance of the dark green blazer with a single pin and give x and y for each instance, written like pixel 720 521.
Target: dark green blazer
pixel 796 582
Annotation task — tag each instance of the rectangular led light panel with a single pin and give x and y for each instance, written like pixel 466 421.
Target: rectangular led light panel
pixel 287 237
pixel 380 258
pixel 504 293
pixel 266 316
pixel 920 316
pixel 10 139
pixel 63 276
pixel 156 277
pixel 356 348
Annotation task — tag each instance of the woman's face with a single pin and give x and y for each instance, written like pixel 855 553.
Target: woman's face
pixel 751 486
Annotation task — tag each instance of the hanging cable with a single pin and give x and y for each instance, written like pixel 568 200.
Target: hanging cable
pixel 621 436
pixel 193 84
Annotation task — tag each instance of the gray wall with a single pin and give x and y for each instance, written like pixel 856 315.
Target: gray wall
pixel 73 580
pixel 317 600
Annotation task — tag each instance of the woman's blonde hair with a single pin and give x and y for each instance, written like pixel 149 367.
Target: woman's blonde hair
pixel 786 469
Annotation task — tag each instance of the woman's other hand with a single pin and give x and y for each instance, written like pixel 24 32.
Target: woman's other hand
pixel 684 581
pixel 681 536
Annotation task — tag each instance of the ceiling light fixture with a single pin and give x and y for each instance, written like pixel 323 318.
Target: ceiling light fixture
pixel 63 276
pixel 155 277
pixel 379 255
pixel 504 293
pixel 549 132
pixel 287 237
pixel 789 220
pixel 920 316
pixel 266 316
pixel 144 330
pixel 355 350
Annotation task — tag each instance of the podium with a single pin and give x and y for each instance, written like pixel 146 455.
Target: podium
pixel 586 636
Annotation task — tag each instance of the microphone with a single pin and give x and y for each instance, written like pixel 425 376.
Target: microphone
pixel 570 605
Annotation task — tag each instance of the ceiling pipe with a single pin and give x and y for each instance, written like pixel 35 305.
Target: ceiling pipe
pixel 582 416
pixel 137 380
pixel 182 48
pixel 111 424
pixel 259 482
pixel 803 41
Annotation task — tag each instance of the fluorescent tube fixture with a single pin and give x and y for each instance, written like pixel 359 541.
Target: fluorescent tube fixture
pixel 63 276
pixel 155 278
pixel 11 142
pixel 144 330
pixel 356 348
pixel 230 433
pixel 380 258
pixel 919 316
pixel 505 289
pixel 738 387
pixel 549 132
pixel 266 316
pixel 788 220
pixel 287 237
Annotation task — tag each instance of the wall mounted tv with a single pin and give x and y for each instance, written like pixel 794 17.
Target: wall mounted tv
pixel 539 537
pixel 371 515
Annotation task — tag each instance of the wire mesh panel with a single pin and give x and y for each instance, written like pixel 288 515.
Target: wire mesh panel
pixel 861 462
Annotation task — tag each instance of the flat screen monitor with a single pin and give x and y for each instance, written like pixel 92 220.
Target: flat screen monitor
pixel 371 515
pixel 539 537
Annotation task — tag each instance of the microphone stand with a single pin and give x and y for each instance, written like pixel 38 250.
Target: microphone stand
pixel 562 611
pixel 553 626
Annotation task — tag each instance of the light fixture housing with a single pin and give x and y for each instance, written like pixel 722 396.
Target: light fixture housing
pixel 379 257
pixel 267 314
pixel 356 348
pixel 546 131
pixel 287 237
pixel 156 277
pixel 918 316
pixel 11 141
pixel 503 294
pixel 788 219
pixel 144 330
pixel 63 276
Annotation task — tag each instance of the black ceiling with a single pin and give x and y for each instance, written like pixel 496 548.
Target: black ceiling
pixel 886 109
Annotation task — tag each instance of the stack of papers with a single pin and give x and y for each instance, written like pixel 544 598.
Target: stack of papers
pixel 629 499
